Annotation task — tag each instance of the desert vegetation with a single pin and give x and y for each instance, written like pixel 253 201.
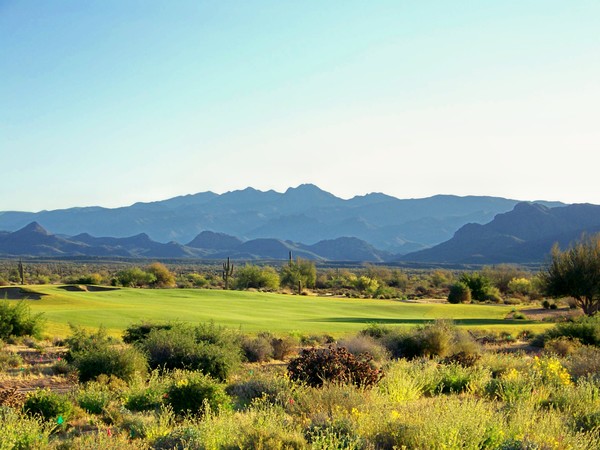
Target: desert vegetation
pixel 174 385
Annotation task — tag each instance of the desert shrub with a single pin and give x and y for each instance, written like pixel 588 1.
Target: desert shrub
pixel 133 277
pixel 399 384
pixel 362 344
pixel 48 405
pixel 463 358
pixel 146 395
pixel 123 363
pixel 101 439
pixel 459 293
pixel 138 332
pixel 93 397
pixel 22 432
pixel 315 366
pixel 440 338
pixel 256 277
pixel 338 433
pixel 181 347
pixel 258 349
pixel 585 329
pixel 376 330
pixel 584 362
pixel 271 389
pixel 9 359
pixel 90 278
pixel 520 286
pixel 82 341
pixel 283 347
pixel 188 392
pixel 455 378
pixel 545 304
pixel 16 320
pixel 493 295
pixel 163 277
pixel 561 346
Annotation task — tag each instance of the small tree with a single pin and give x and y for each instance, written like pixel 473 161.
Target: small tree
pixel 576 273
pixel 299 274
pixel 251 276
pixel 478 284
pixel 163 276
pixel 459 293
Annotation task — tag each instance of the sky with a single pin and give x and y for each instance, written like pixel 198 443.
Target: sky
pixel 110 102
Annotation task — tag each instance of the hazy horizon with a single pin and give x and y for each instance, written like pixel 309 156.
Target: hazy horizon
pixel 111 103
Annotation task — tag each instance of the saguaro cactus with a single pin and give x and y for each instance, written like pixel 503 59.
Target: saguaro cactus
pixel 227 273
pixel 21 272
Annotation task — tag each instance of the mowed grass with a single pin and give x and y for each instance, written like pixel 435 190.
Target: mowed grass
pixel 253 311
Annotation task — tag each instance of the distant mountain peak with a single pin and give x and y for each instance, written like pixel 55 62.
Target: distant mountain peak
pixel 33 227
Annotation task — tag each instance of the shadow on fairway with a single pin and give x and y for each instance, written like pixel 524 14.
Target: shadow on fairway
pixel 387 321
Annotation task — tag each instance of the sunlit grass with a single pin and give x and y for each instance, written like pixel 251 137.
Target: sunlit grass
pixel 254 311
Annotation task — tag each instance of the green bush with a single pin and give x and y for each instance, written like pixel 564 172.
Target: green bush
pixel 206 348
pixel 334 364
pixel 138 332
pixel 93 397
pixel 82 341
pixel 585 329
pixel 16 320
pixel 22 432
pixel 255 277
pixel 459 293
pixel 125 363
pixel 189 392
pixel 48 405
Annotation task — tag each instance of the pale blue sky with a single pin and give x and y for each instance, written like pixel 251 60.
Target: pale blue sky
pixel 112 102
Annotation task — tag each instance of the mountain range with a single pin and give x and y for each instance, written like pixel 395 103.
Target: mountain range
pixel 304 214
pixel 308 222
pixel 525 234
pixel 34 240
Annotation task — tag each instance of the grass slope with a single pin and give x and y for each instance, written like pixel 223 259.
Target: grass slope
pixel 251 311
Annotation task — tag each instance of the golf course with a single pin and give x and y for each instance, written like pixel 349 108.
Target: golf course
pixel 117 308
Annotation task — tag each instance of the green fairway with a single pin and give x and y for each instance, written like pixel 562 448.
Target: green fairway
pixel 252 311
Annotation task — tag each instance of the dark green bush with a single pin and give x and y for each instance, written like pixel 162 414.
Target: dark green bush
pixel 584 329
pixel 459 293
pixel 125 363
pixel 48 405
pixel 138 332
pixel 189 391
pixel 334 364
pixel 207 349
pixel 16 320
pixel 478 283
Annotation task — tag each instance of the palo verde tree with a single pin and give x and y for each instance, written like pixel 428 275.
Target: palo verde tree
pixel 575 272
pixel 298 274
